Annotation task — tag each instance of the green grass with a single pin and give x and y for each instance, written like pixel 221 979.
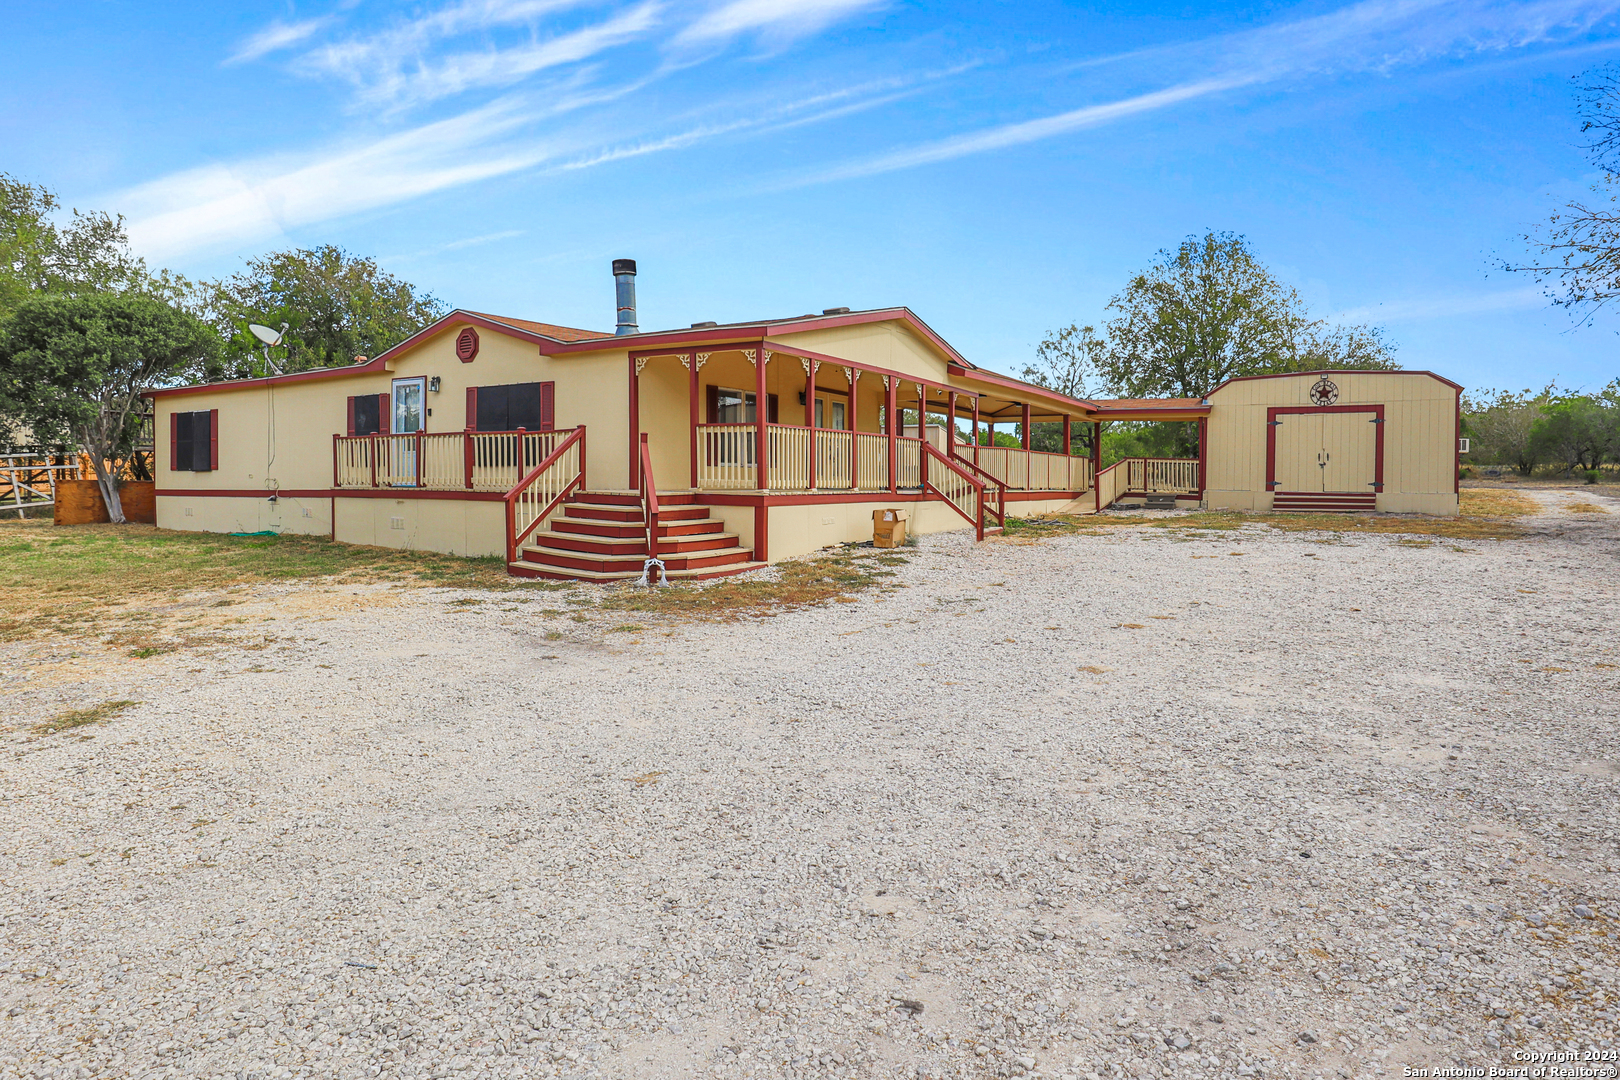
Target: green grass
pixel 76 718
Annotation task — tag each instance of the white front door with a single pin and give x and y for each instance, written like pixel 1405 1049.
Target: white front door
pixel 410 396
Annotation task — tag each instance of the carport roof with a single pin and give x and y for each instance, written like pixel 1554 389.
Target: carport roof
pixel 1148 408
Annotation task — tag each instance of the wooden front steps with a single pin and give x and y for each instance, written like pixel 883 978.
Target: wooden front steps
pixel 602 536
pixel 1324 502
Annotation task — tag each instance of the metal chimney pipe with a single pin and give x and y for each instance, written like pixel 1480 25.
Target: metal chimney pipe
pixel 624 288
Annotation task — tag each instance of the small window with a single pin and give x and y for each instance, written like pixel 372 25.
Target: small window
pixel 367 414
pixel 194 441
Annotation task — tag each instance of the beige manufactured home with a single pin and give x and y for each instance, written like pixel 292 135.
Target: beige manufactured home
pixel 707 450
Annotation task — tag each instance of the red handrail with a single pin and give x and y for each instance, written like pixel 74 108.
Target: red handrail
pixel 989 482
pixel 978 485
pixel 513 538
pixel 649 498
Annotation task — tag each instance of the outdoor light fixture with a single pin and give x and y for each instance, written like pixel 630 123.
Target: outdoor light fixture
pixel 433 384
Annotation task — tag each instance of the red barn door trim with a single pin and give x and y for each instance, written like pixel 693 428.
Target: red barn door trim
pixel 1271 436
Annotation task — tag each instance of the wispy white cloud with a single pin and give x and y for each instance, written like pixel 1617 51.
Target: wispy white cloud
pixel 999 138
pixel 1374 36
pixel 276 37
pixel 776 19
pixel 487 238
pixel 253 201
pixel 384 73
pixel 1417 309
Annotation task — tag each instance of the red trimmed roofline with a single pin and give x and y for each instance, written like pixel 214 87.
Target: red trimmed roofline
pixel 752 332
pixel 1336 371
pixel 376 364
pixel 1071 404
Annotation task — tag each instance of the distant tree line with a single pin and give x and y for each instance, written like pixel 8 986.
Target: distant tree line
pixel 86 325
pixel 1526 430
pixel 1206 312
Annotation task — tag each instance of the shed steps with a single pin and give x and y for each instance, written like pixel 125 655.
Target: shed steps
pixel 1324 502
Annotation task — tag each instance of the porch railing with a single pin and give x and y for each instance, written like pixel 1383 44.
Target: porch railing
pixel 834 459
pixel 726 456
pixel 1152 476
pixel 958 487
pixel 1109 484
pixel 1031 470
pixel 539 492
pixel 790 458
pixel 829 459
pixel 872 452
pixel 441 461
pixel 995 493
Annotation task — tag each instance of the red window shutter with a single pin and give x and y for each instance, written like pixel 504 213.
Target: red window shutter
pixel 385 418
pixel 472 408
pixel 713 404
pixel 213 439
pixel 771 414
pixel 548 406
pixel 174 442
pixel 351 416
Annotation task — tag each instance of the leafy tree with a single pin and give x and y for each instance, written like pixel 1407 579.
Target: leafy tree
pixel 1209 311
pixel 73 367
pixel 1577 430
pixel 88 254
pixel 1065 358
pixel 1500 428
pixel 336 306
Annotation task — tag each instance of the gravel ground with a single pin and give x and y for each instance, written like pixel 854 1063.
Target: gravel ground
pixel 1235 804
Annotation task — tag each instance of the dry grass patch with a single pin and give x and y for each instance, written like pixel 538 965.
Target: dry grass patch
pixel 1486 514
pixel 75 718
pixel 798 583
pixel 92 579
pixel 1584 508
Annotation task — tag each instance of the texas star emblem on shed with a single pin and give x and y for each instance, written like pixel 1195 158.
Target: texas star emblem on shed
pixel 718 448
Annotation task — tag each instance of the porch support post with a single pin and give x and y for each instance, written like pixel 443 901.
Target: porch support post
pixel 1029 442
pixel 810 417
pixel 1068 435
pixel 975 429
pixel 891 389
pixel 762 420
pixel 692 408
pixel 1203 453
pixel 950 423
pixel 854 430
pixel 634 473
pixel 1096 461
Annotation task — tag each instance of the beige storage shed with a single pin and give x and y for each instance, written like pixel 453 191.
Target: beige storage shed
pixel 1334 440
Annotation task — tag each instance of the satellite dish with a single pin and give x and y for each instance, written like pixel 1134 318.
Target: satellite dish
pixel 265 334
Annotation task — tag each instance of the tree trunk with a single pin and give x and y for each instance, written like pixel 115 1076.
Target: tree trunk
pixel 107 482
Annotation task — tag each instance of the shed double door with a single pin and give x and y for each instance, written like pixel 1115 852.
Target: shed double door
pixel 1327 451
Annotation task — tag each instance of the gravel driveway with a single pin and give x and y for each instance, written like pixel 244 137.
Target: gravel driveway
pixel 1139 803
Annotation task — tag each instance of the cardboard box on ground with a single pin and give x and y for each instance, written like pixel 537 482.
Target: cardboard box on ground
pixel 888 528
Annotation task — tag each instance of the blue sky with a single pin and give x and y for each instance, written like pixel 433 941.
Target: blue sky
pixel 999 167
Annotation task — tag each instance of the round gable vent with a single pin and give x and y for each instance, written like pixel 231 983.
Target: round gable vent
pixel 467 345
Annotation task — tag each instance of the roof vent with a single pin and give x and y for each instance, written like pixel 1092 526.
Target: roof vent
pixel 835 311
pixel 704 325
